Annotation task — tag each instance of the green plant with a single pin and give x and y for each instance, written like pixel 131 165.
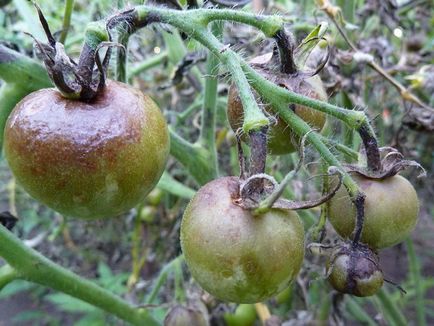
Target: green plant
pixel 203 159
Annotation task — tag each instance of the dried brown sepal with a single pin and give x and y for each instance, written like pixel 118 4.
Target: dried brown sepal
pixel 392 163
pixel 73 80
pixel 251 199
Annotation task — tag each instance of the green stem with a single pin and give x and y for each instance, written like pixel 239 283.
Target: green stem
pixel 32 266
pixel 348 152
pixel 193 157
pixel 390 308
pixel 7 275
pixel 207 137
pixel 274 93
pixel 174 187
pixel 69 5
pixel 354 308
pixel 147 64
pixel 414 267
pixel 188 22
pixel 254 119
pixel 16 68
pixel 302 128
pixel 162 277
pixel 269 25
pixel 122 58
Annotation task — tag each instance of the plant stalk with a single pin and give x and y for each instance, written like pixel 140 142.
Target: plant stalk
pixel 207 136
pixel 414 267
pixel 69 5
pixel 32 266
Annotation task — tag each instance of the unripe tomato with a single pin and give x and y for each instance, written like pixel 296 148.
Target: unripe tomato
pixel 87 160
pixel 244 315
pixel 281 139
pixel 391 211
pixel 355 272
pixel 234 255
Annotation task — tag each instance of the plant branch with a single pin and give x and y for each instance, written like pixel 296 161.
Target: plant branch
pixel 7 275
pixel 69 5
pixel 32 266
pixel 416 277
pixel 194 157
pixel 147 64
pixel 207 134
pixel 162 277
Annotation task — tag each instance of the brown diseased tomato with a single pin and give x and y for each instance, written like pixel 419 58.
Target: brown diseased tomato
pixel 355 271
pixel 88 160
pixel 234 255
pixel 281 139
pixel 391 211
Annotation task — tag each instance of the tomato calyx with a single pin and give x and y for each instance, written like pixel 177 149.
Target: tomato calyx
pixel 78 81
pixel 392 163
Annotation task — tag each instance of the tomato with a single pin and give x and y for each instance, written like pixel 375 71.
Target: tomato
pixel 391 211
pixel 186 316
pixel 354 271
pixel 281 139
pixel 87 160
pixel 234 255
pixel 244 315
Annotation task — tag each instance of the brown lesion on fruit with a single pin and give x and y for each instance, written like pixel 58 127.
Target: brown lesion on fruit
pixel 355 270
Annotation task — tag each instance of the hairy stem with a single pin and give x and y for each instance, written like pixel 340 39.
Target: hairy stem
pixel 302 128
pixel 254 119
pixel 258 149
pixel 371 147
pixel 285 44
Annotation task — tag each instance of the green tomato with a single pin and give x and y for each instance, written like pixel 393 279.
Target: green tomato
pixel 391 211
pixel 244 315
pixel 234 255
pixel 87 160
